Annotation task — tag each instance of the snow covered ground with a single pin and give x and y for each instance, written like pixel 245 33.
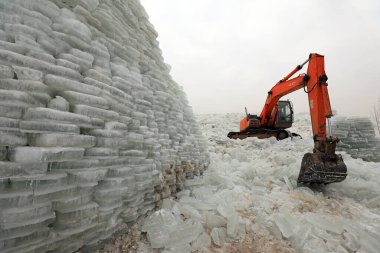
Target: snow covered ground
pixel 247 200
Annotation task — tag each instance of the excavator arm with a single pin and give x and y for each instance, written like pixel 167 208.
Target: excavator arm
pixel 279 90
pixel 314 83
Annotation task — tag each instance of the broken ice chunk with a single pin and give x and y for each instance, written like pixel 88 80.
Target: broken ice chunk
pixel 259 229
pixel 184 234
pixel 167 204
pixel 203 241
pixel 233 225
pixel 194 182
pixel 213 221
pixel 183 193
pixel 189 212
pixel 332 244
pixel 181 248
pixel 288 183
pixel 218 236
pixel 285 226
pixel 199 205
pixel 340 249
pixel 158 226
pixel 301 236
pixel 350 241
pixel 315 245
pixel 369 241
pixel 374 202
pixel 274 230
pixel 325 222
pixel 241 231
pixel 203 193
pixel 225 211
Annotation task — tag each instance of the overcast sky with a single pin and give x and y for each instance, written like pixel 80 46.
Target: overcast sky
pixel 228 53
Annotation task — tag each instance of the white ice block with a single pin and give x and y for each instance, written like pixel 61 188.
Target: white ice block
pixel 83 64
pixel 82 98
pixel 6 71
pixel 62 140
pixel 46 127
pixel 13 169
pixel 30 62
pixel 64 84
pixel 67 24
pixel 18 99
pixel 9 124
pixel 59 103
pixel 12 138
pixel 94 112
pixel 46 114
pixel 39 154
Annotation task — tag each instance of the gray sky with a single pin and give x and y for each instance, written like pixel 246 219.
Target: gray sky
pixel 228 53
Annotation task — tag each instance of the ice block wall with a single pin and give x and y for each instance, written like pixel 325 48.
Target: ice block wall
pixel 357 137
pixel 93 130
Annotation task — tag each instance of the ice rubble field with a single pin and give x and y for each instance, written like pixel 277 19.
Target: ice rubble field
pixel 250 187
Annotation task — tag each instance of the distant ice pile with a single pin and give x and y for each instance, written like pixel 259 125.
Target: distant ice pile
pixel 358 137
pixel 93 131
pixel 247 200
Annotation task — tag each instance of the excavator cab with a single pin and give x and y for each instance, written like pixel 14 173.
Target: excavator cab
pixel 284 117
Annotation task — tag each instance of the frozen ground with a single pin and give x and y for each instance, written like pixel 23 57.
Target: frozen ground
pixel 247 201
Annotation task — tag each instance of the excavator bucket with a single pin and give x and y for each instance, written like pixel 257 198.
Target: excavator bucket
pixel 323 166
pixel 317 168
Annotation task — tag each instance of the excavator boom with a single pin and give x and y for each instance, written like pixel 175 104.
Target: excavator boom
pixel 322 166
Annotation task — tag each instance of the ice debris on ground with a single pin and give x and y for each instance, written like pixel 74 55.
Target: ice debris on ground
pixel 250 187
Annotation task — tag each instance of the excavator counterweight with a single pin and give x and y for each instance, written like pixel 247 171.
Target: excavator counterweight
pixel 322 166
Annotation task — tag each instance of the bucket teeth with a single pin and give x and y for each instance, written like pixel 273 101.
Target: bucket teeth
pixel 318 169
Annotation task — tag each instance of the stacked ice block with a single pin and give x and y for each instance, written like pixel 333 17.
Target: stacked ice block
pixel 357 137
pixel 94 132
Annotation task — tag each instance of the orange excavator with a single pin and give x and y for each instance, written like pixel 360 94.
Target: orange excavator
pixel 322 166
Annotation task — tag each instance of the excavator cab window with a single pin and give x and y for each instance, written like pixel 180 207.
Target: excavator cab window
pixel 284 117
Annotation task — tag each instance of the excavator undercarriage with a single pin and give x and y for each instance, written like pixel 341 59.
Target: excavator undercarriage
pixel 263 133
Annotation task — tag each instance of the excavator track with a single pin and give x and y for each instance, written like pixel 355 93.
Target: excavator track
pixel 316 168
pixel 262 133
